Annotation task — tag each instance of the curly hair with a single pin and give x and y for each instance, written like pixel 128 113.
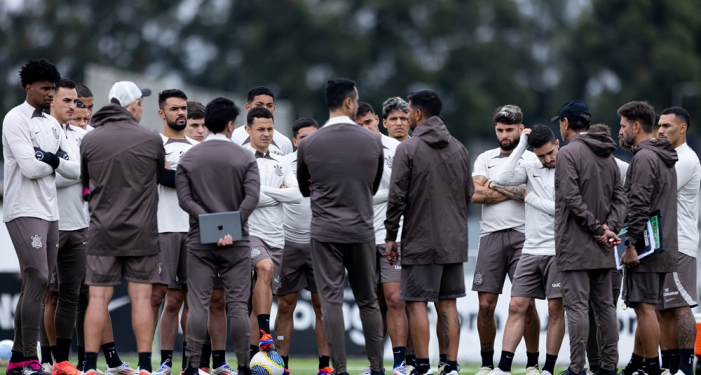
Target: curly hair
pixel 38 70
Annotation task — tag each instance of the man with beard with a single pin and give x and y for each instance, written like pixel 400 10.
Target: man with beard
pixel 651 185
pixel 395 118
pixel 501 236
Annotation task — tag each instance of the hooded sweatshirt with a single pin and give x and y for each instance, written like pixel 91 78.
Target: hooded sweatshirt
pixel 588 194
pixel 651 185
pixel 121 164
pixel 431 186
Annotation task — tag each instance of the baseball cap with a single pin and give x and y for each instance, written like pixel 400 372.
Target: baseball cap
pixel 572 110
pixel 126 92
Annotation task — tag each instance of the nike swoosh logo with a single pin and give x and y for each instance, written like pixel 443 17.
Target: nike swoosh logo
pixel 491 166
pixel 118 302
pixel 667 300
pixel 36 132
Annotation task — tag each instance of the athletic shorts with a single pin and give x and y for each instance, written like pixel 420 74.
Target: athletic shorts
pixel 70 261
pixel 387 273
pixel 680 286
pixel 537 276
pixel 297 271
pixel 172 265
pixel 259 251
pixel 111 270
pixel 497 257
pixel 642 287
pixel 432 282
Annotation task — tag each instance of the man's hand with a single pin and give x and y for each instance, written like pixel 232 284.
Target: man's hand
pixel 283 186
pixel 46 157
pixel 311 185
pixel 392 252
pixel 226 241
pixel 527 132
pixel 609 238
pixel 62 154
pixel 168 165
pixel 630 257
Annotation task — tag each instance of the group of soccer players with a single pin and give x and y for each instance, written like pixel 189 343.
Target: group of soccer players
pixel 342 203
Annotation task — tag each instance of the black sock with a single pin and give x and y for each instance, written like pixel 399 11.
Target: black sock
pixel 254 350
pixel 286 360
pixel 81 358
pixel 411 360
pixel 507 358
pixel 17 357
pixel 443 358
pixel 167 357
pixel 184 355
pixel 218 358
pixel 592 368
pixel 422 365
pixel 450 366
pixel 686 361
pixel 111 356
pixel 673 361
pixel 488 359
pixel 532 359
pixel 399 355
pixel 145 362
pixel 324 361
pixel 652 366
pixel 63 348
pixel 636 363
pixel 90 361
pixel 264 323
pixel 244 370
pixel 45 355
pixel 190 371
pixel 549 365
pixel 206 353
pixel 32 358
pixel 665 359
pixel 53 352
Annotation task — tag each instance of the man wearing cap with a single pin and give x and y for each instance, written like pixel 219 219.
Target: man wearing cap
pixel 590 207
pixel 121 164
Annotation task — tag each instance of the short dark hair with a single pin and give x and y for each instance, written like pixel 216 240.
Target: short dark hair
pixel 337 90
pixel 83 91
pixel 679 112
pixel 258 112
pixel 540 136
pixel 302 123
pixel 64 83
pixel 195 110
pixel 218 113
pixel 600 128
pixel 260 90
pixel 581 122
pixel 79 104
pixel 171 93
pixel 38 70
pixel 641 112
pixel 508 114
pixel 364 108
pixel 427 101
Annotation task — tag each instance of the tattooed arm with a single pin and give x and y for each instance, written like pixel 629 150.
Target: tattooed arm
pixel 517 193
pixel 485 195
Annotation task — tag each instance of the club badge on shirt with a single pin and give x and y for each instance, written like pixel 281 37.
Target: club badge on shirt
pixel 278 170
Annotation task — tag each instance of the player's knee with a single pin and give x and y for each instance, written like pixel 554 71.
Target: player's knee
pixel 284 309
pixel 173 304
pixel 487 307
pixel 69 294
pixel 51 299
pixel 556 311
pixel 264 270
pixel 518 306
pixel 394 302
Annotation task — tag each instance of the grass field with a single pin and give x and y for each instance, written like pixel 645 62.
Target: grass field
pixel 308 366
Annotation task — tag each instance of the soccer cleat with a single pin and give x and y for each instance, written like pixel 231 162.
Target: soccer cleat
pixel 410 369
pixel 201 372
pixel 266 342
pixel 484 370
pixel 65 368
pixel 286 371
pixel 32 367
pixel 545 373
pixel 144 372
pixel 206 370
pixel 325 371
pixel 164 368
pixel 122 369
pixel 498 371
pixel 47 367
pixel 15 368
pixel 441 366
pixel 224 369
pixel 534 370
pixel 400 370
pixel 366 372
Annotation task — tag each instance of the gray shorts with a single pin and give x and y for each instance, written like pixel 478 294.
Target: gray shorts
pixel 36 243
pixel 387 273
pixel 432 282
pixel 297 271
pixel 229 267
pixel 497 257
pixel 259 251
pixel 537 276
pixel 642 287
pixel 172 265
pixel 680 286
pixel 70 261
pixel 111 270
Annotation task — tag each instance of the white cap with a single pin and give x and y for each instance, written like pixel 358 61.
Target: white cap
pixel 126 92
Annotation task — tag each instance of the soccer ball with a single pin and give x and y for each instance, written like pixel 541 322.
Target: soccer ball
pixel 5 352
pixel 267 363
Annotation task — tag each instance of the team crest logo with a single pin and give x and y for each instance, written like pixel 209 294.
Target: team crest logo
pixel 36 241
pixel 160 268
pixel 177 280
pixel 478 278
pixel 55 133
pixel 276 282
pixel 255 252
pixel 389 160
pixel 278 170
pixel 52 281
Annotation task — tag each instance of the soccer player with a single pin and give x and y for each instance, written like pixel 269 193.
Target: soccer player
pixel 651 185
pixel 675 316
pixel 537 274
pixel 123 243
pixel 395 118
pixel 342 229
pixel 237 188
pixel 589 208
pixel 173 225
pixel 86 96
pixel 297 271
pixel 263 97
pixel 277 186
pixel 432 259
pixel 389 275
pixel 195 121
pixel 34 151
pixel 81 116
pixel 501 237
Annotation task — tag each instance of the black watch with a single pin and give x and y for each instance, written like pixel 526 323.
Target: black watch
pixel 627 243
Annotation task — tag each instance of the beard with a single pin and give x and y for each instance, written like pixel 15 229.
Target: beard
pixel 512 145
pixel 175 126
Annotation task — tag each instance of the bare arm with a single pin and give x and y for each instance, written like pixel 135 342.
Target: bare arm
pixel 483 194
pixel 517 193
